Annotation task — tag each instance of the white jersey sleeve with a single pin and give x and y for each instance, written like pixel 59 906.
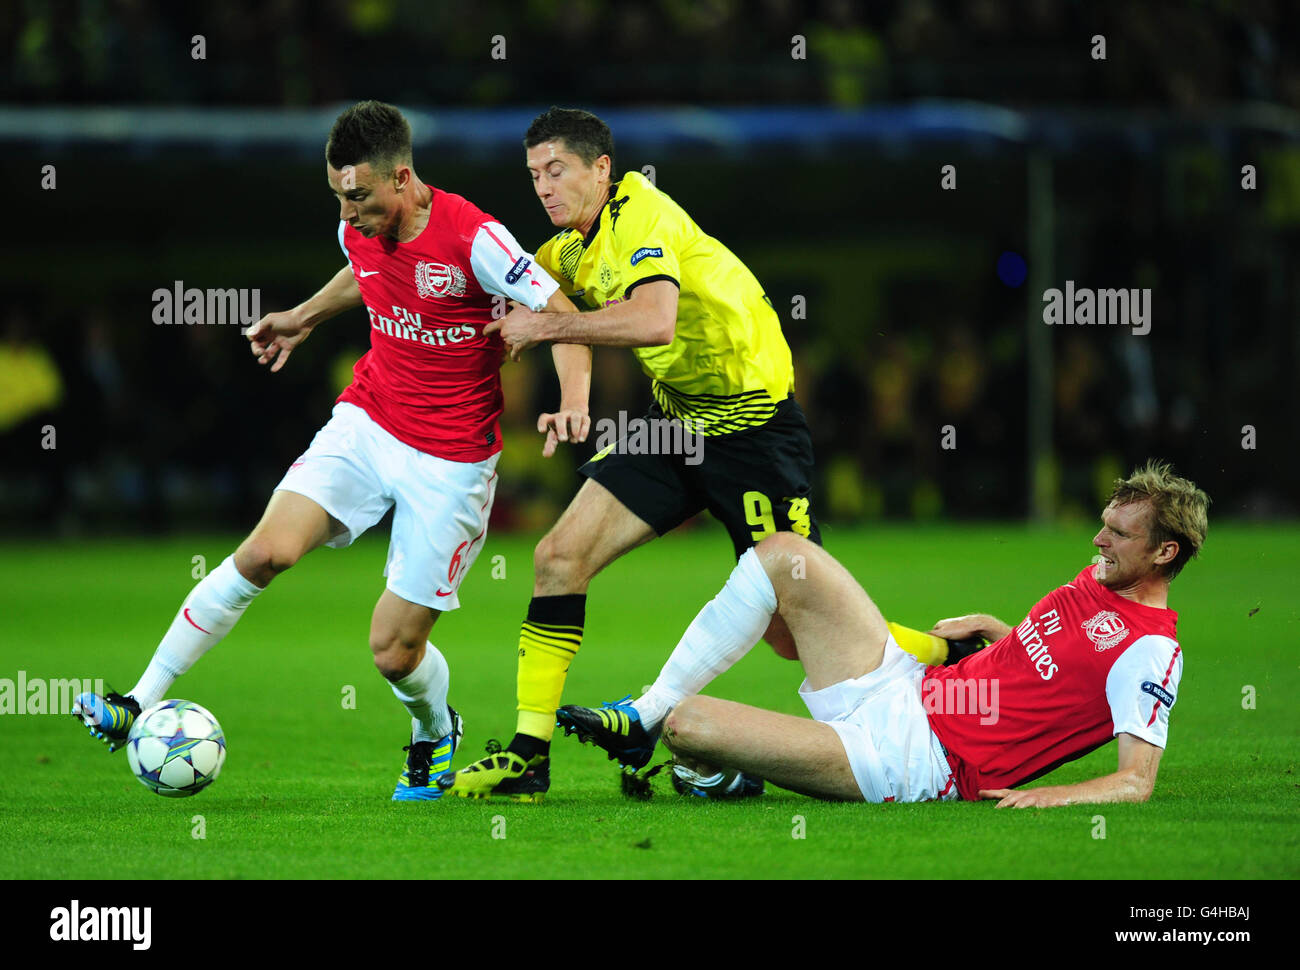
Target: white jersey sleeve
pixel 502 268
pixel 1142 686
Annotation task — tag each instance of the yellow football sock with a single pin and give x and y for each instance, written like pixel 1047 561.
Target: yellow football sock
pixel 548 641
pixel 925 647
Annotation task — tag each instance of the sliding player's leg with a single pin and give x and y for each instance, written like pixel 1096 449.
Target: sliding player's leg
pixel 778 637
pixel 759 482
pixel 870 738
pixel 594 530
pixel 291 526
pixel 820 603
pixel 798 754
pixel 840 632
pixel 721 633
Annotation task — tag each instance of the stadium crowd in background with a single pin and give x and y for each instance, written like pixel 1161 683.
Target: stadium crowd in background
pixel 304 53
pixel 933 338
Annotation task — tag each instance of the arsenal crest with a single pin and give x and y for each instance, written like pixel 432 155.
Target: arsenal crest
pixel 439 280
pixel 1105 630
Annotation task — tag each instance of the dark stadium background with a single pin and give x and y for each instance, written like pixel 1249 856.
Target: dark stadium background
pixel 822 173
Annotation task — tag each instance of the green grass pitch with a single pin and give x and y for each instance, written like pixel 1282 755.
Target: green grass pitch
pixel 305 790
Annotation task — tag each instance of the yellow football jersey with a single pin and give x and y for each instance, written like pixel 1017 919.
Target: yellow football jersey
pixel 728 365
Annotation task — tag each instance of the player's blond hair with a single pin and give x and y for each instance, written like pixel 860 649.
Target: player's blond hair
pixel 1178 509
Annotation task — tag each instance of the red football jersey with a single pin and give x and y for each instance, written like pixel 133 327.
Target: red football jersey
pixel 431 378
pixel 1085 665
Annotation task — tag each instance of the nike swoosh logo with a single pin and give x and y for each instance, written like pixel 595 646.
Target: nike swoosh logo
pixel 362 272
pixel 441 593
pixel 195 625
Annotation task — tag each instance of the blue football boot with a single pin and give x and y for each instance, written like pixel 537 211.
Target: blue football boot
pixel 425 761
pixel 109 718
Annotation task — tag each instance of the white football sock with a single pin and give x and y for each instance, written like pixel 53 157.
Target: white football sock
pixel 208 614
pixel 721 633
pixel 424 693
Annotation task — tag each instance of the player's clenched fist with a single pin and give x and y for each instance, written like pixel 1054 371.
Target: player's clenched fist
pixel 274 336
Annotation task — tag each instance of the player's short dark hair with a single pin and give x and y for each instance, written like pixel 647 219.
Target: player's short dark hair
pixel 370 131
pixel 1178 509
pixel 581 131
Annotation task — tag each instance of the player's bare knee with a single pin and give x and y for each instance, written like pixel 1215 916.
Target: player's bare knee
pixel 395 656
pixel 670 734
pixel 260 559
pixel 396 666
pixel 685 727
pixel 784 556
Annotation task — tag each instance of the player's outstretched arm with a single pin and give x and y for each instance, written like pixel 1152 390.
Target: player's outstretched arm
pixel 275 336
pixel 973 625
pixel 573 367
pixel 1133 782
pixel 648 318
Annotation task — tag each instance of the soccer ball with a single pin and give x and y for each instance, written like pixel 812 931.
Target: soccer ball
pixel 176 748
pixel 726 784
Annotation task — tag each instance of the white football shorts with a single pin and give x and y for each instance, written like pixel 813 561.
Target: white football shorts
pixel 356 471
pixel 894 755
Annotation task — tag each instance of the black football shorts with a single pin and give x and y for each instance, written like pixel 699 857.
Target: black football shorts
pixel 755 482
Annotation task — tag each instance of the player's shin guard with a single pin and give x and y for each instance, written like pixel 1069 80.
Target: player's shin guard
pixel 548 641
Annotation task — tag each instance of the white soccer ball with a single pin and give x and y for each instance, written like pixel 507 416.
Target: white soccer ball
pixel 726 784
pixel 176 748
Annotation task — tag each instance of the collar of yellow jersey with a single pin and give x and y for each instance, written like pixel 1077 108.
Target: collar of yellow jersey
pixel 600 216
